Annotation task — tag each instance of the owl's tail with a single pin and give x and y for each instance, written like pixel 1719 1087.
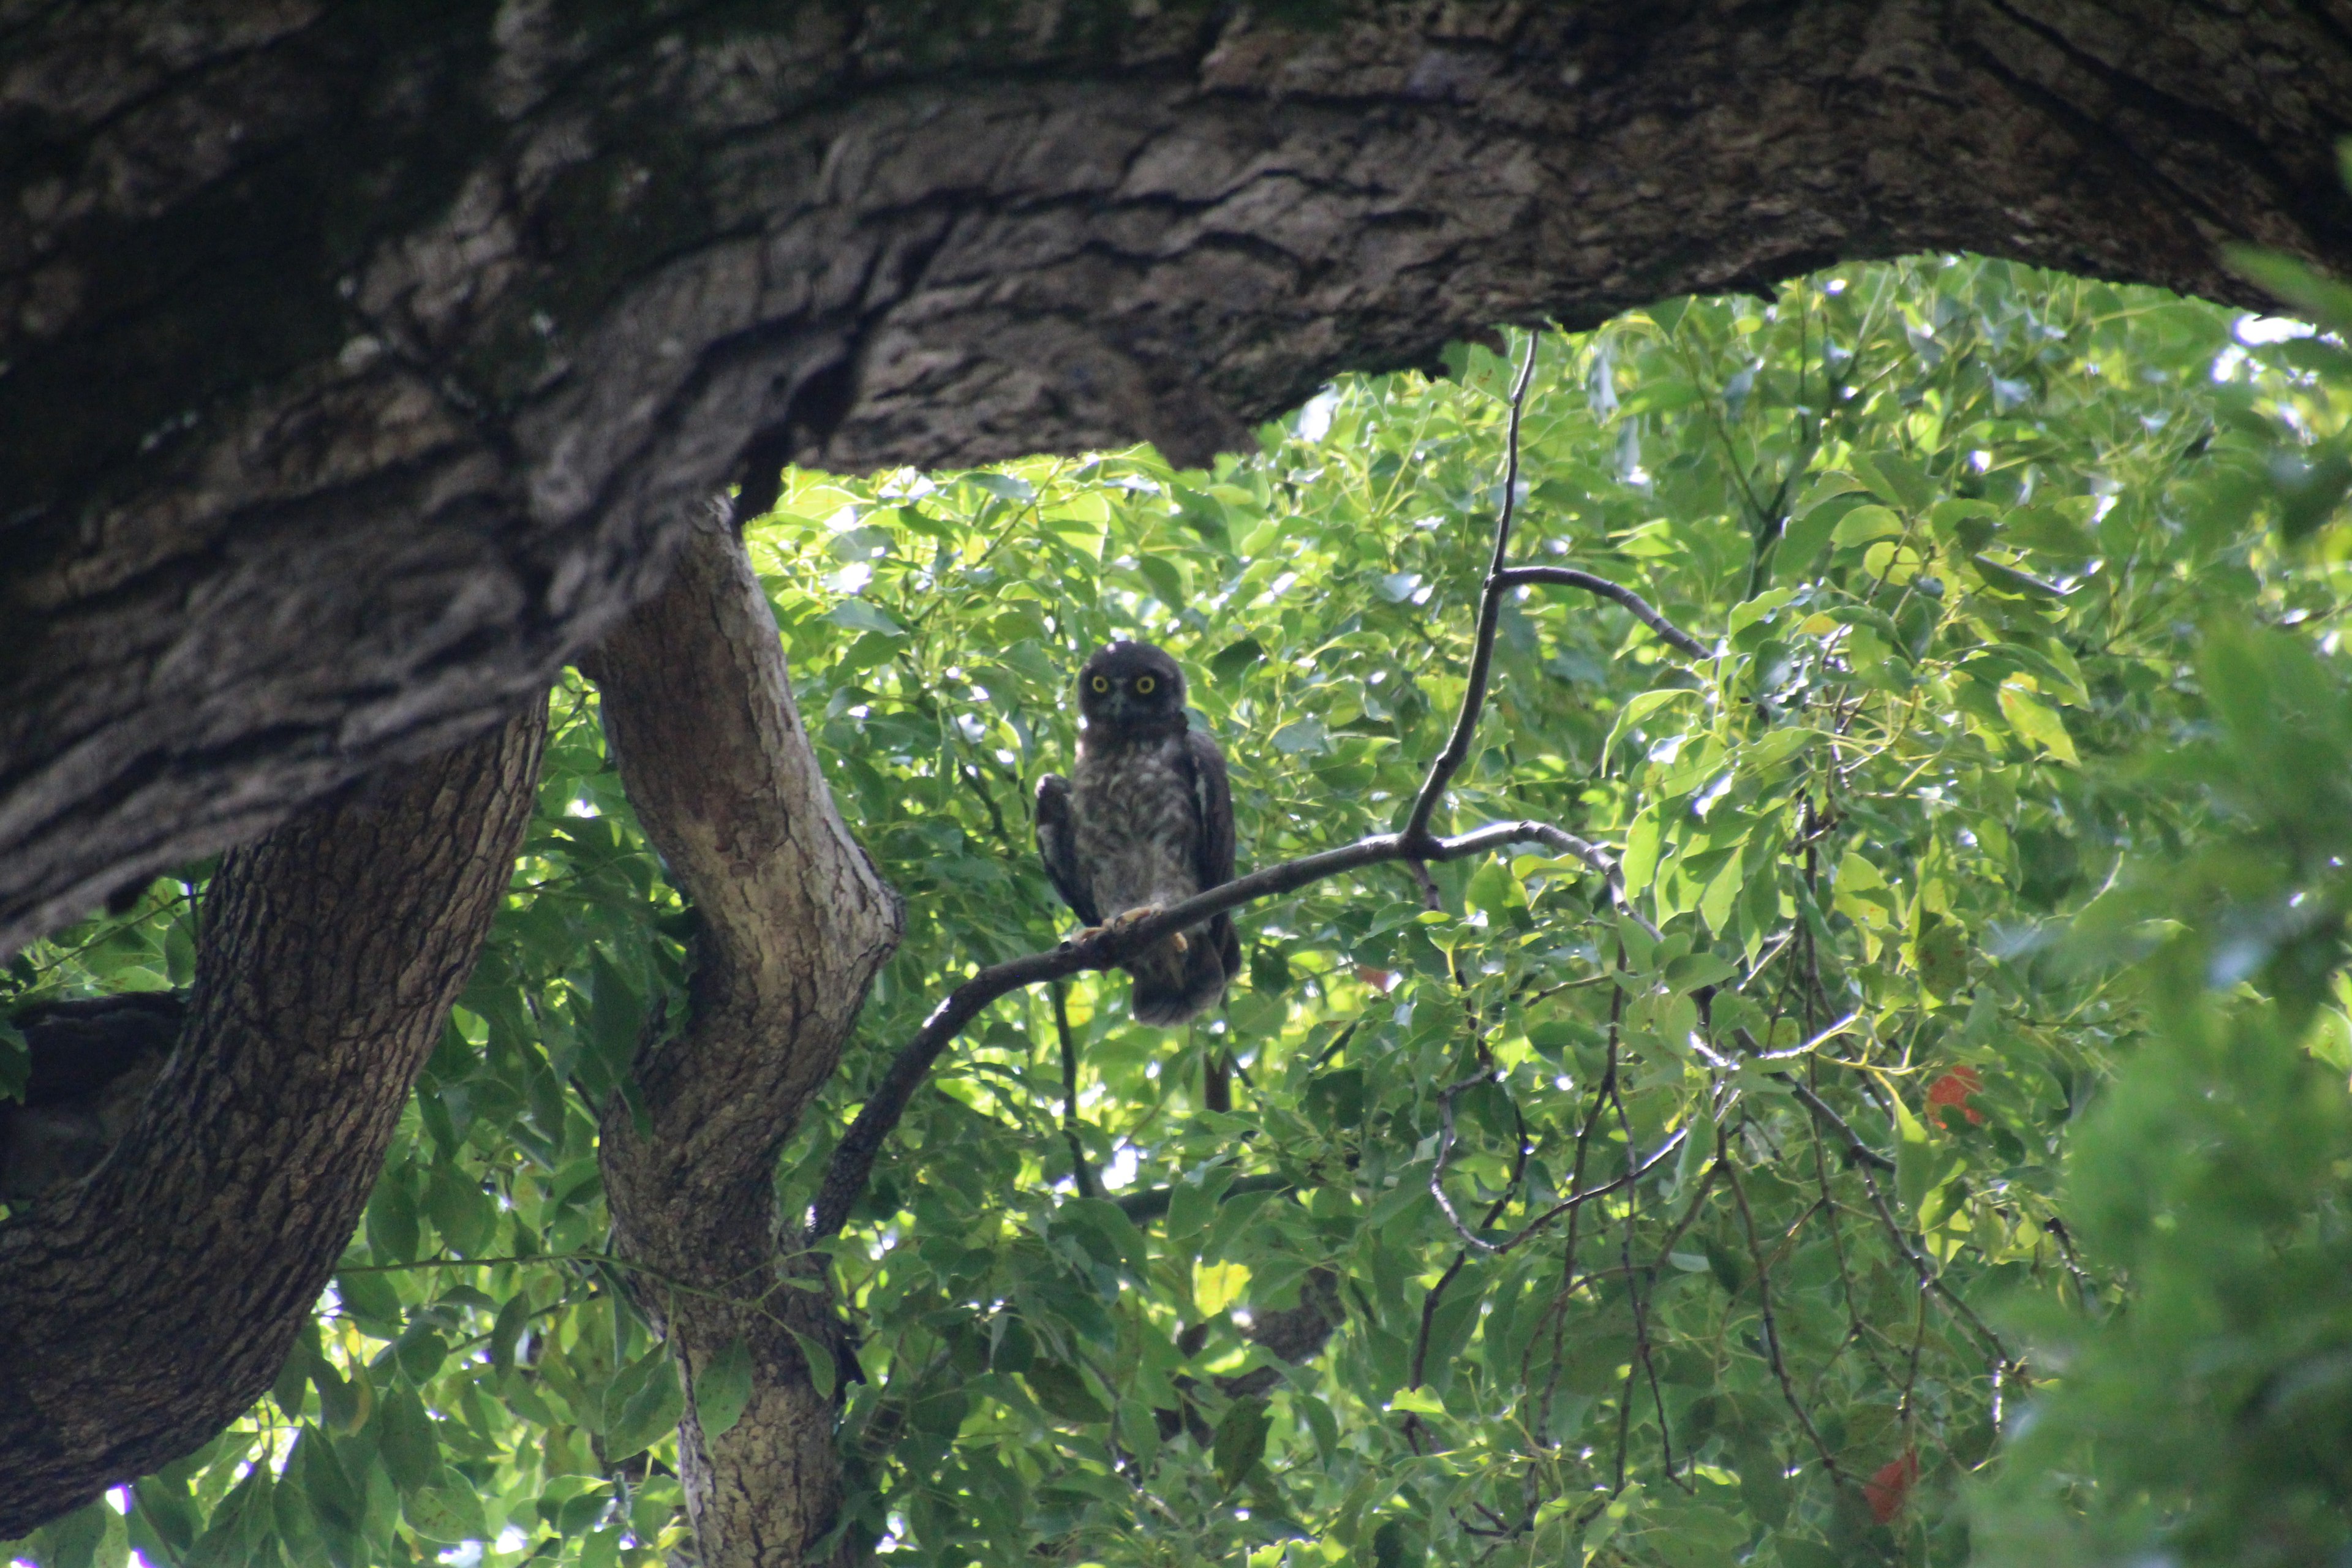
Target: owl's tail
pixel 1171 986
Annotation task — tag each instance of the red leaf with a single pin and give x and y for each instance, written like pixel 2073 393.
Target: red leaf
pixel 1954 1089
pixel 1890 1488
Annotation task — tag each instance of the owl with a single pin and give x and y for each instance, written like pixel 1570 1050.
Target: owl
pixel 1146 821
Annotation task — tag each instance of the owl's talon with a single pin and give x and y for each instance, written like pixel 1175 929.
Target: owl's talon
pixel 1181 945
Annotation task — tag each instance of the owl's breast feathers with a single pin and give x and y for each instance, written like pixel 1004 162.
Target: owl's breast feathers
pixel 1139 826
pixel 1148 819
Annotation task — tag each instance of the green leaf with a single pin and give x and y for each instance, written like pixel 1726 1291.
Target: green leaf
pixel 1940 953
pixel 822 1376
pixel 616 1015
pixel 1639 864
pixel 460 1210
pixel 1234 657
pixel 1494 890
pixel 1239 1441
pixel 81 1539
pixel 642 1404
pixel 1415 1401
pixel 1480 369
pixel 1167 580
pixel 858 615
pixel 392 1225
pixel 2036 723
pixel 243 1528
pixel 1061 1389
pixel 448 1512
pixel 1914 1156
pixel 405 1440
pixel 1639 708
pixel 1865 523
pixel 722 1389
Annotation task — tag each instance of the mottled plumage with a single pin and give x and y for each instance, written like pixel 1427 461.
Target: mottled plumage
pixel 1146 821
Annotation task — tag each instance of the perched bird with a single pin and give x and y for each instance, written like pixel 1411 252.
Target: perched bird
pixel 1146 822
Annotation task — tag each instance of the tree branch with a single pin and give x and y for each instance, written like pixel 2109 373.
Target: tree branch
pixel 1490 611
pixel 1569 577
pixel 1108 948
pixel 146 1306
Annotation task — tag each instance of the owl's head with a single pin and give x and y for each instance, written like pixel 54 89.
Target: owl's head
pixel 1131 686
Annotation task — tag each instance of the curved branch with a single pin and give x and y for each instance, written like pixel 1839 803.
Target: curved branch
pixel 362 484
pixel 1108 948
pixel 146 1306
pixel 1644 611
pixel 1490 611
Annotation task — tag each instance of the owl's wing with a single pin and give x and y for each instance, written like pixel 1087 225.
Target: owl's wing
pixel 1058 846
pixel 1212 808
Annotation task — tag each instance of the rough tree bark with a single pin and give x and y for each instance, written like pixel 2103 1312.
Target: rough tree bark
pixel 359 362
pixel 142 1309
pixel 792 923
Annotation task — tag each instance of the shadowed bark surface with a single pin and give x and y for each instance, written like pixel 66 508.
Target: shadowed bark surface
pixel 92 1062
pixel 792 923
pixel 360 363
pixel 144 1308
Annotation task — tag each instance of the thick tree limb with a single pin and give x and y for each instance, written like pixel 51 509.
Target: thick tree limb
pixel 792 923
pixel 144 1308
pixel 360 363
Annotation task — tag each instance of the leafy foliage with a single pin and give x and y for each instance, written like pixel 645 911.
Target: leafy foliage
pixel 1955 529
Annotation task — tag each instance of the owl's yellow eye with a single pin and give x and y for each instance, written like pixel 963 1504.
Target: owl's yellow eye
pixel 1101 683
pixel 1143 685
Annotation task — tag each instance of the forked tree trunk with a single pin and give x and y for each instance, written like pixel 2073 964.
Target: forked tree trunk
pixel 359 363
pixel 791 924
pixel 145 1307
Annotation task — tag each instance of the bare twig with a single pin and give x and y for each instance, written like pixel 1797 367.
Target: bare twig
pixel 1929 1279
pixel 1856 1149
pixel 1771 1333
pixel 1672 635
pixel 1083 1177
pixel 1556 1312
pixel 1490 611
pixel 1574 1201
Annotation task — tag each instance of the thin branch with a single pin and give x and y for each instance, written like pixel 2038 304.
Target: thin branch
pixel 1108 948
pixel 1556 1311
pixel 1490 611
pixel 1079 1173
pixel 1771 1332
pixel 1534 1226
pixel 1931 1281
pixel 1861 1152
pixel 1643 610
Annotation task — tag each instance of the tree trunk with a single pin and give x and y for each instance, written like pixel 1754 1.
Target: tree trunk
pixel 360 363
pixel 145 1307
pixel 792 923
